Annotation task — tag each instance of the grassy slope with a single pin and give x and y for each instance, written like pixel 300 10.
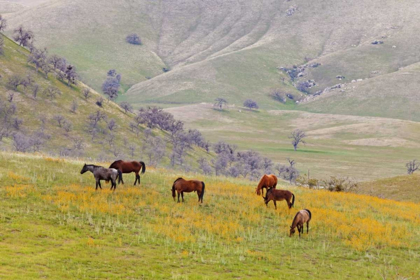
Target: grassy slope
pixel 230 49
pixel 53 224
pixel 360 147
pixel 30 110
pixel 405 188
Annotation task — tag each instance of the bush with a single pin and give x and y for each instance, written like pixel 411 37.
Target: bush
pixel 251 104
pixel 133 39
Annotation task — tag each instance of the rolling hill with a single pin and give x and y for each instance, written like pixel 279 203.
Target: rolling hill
pixel 61 124
pixel 234 49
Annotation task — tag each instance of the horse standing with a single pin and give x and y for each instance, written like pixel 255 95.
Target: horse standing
pixel 128 167
pixel 267 182
pixel 102 173
pixel 279 195
pixel 302 217
pixel 180 185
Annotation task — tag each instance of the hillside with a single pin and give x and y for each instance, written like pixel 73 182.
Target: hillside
pixel 49 125
pixel 54 225
pixel 402 188
pixel 234 49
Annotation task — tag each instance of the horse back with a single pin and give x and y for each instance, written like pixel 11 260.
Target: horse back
pixel 187 185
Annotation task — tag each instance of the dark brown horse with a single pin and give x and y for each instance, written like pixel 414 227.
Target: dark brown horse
pixel 279 195
pixel 128 167
pixel 180 185
pixel 302 217
pixel 267 182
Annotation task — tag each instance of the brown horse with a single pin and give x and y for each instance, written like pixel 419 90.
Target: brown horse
pixel 128 167
pixel 267 182
pixel 302 217
pixel 180 185
pixel 279 195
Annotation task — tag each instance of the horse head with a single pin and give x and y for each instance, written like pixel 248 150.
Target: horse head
pixel 292 231
pixel 84 169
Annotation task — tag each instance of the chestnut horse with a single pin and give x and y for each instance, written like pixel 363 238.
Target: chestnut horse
pixel 302 217
pixel 180 185
pixel 279 195
pixel 128 167
pixel 267 182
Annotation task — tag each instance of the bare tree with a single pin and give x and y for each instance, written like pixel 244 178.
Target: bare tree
pixel 21 142
pixel 10 96
pixel 250 104
pixel 3 23
pixel 112 125
pixel 38 58
pixel 154 148
pixel 219 103
pixel 70 74
pixel 51 92
pixel 74 106
pixel 67 125
pixel 1 44
pixel 289 172
pixel 86 93
pixel 14 81
pixel 412 166
pixel 57 62
pixel 205 166
pixel 126 106
pixel 59 119
pixel 297 137
pixel 17 123
pixel 23 37
pixel 35 90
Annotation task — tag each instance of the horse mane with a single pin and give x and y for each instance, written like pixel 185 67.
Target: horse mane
pixel 294 219
pixel 115 162
pixel 95 166
pixel 177 179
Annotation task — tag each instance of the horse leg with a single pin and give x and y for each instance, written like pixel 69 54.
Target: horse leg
pixel 182 194
pixel 307 227
pixel 138 178
pixel 96 185
pixel 178 195
pixel 99 182
pixel 275 204
pixel 198 194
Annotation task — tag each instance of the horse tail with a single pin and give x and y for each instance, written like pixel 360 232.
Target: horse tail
pixel 293 200
pixel 309 212
pixel 144 167
pixel 202 193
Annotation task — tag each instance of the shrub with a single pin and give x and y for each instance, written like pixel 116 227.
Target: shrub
pixel 133 39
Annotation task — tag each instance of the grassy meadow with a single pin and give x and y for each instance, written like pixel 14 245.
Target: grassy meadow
pixel 55 225
pixel 362 148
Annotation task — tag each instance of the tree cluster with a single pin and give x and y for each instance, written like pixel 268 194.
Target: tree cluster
pixel 111 85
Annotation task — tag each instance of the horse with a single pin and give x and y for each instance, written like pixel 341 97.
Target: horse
pixel 267 182
pixel 102 173
pixel 128 167
pixel 180 185
pixel 279 195
pixel 302 217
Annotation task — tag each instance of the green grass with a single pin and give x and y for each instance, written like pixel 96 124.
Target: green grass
pixel 358 147
pixel 30 109
pixel 42 236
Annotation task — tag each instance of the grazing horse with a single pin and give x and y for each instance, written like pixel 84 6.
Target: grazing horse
pixel 302 217
pixel 128 167
pixel 279 195
pixel 180 185
pixel 102 173
pixel 267 182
